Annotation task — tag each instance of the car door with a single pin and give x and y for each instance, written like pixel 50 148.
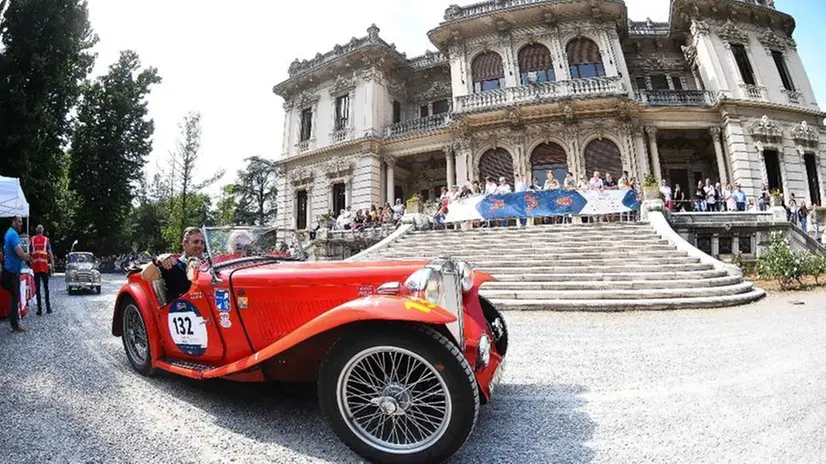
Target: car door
pixel 188 328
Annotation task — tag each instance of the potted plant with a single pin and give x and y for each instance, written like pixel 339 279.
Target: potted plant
pixel 650 189
pixel 325 221
pixel 414 204
pixel 775 198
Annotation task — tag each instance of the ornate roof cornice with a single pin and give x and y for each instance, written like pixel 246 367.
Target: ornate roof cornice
pixel 731 33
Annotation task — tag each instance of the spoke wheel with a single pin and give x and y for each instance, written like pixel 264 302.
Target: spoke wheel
pixel 399 393
pixel 394 399
pixel 135 339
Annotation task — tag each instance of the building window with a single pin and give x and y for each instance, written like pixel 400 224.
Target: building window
pixel 488 72
pixel 584 59
pixel 641 83
pixel 743 63
pixel 306 124
pixel 659 82
pixel 397 112
pixel 780 62
pixel 342 112
pixel 772 160
pixel 339 198
pixel 535 66
pixel 811 174
pixel 441 106
pixel 423 111
pixel 301 210
pixel 676 82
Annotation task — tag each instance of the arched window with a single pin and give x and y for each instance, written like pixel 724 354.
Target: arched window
pixel 488 72
pixel 584 59
pixel 535 66
pixel 603 156
pixel 549 157
pixel 496 163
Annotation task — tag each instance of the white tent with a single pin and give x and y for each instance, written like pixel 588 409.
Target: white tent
pixel 12 200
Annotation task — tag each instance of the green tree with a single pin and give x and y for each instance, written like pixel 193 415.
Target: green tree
pixel 46 55
pixel 183 160
pixel 110 143
pixel 227 207
pixel 196 214
pixel 257 191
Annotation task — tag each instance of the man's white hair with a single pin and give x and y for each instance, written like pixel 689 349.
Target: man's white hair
pixel 238 240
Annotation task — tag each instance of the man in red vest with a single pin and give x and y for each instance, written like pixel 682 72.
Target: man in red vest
pixel 41 257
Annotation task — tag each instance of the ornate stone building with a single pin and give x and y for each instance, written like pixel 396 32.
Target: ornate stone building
pixel 531 86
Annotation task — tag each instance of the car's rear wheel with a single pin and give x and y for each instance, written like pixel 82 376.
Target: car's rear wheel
pixel 135 338
pixel 399 394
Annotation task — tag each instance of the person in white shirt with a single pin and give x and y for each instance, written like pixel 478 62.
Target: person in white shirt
pixel 490 186
pixel 398 209
pixel 711 196
pixel 519 184
pixel 596 182
pixel 454 193
pixel 570 182
pixel 552 184
pixel 665 189
pixel 582 184
pixel 503 187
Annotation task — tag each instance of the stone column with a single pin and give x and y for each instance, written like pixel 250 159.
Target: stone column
pixel 464 161
pixel 721 159
pixel 451 166
pixel 391 180
pixel 655 153
pixel 641 153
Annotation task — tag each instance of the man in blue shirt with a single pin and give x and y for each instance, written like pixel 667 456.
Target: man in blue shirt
pixel 740 198
pixel 12 265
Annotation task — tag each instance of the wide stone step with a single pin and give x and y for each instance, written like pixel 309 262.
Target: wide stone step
pixel 558 248
pixel 702 302
pixel 532 255
pixel 578 241
pixel 521 286
pixel 496 270
pixel 568 234
pixel 540 229
pixel 600 263
pixel 656 275
pixel 614 294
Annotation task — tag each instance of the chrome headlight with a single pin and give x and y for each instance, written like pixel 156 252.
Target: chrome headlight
pixel 466 275
pixel 426 283
pixel 96 275
pixel 72 274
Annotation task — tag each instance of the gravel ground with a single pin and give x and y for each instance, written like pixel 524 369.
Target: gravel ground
pixel 733 385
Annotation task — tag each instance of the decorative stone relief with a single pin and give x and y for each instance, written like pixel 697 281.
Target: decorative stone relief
pixel 437 90
pixel 690 53
pixel 343 85
pixel 771 40
pixel 453 12
pixel 731 33
pixel 398 88
pixel 301 176
pixel 804 134
pixel 766 129
pixel 339 168
pixel 699 28
pixel 306 98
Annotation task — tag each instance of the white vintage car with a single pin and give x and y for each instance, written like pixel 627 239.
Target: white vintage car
pixel 82 272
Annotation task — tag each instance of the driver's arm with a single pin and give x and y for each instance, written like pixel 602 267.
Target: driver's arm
pixel 151 271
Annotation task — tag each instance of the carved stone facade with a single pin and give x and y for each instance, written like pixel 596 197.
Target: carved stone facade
pixel 413 125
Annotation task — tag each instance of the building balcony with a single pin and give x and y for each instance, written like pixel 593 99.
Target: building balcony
pixel 754 92
pixel 412 126
pixel 701 98
pixel 539 93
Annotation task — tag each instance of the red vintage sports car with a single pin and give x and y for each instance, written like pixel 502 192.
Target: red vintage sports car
pixel 403 352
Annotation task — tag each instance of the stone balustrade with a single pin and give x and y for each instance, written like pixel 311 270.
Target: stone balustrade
pixel 411 126
pixel 754 92
pixel 539 93
pixel 677 98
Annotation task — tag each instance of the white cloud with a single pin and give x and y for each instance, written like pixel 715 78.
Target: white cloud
pixel 222 58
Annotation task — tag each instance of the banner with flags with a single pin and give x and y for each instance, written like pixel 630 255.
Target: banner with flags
pixel 543 204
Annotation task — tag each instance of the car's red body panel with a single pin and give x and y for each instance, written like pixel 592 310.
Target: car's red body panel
pixel 274 308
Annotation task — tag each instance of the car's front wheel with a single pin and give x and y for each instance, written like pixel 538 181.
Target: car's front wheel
pixel 135 338
pixel 399 394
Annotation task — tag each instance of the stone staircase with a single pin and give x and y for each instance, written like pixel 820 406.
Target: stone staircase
pixel 600 267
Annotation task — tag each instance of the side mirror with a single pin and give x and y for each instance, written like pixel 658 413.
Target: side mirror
pixel 193 268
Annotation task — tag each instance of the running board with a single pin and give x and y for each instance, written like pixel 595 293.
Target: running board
pixel 186 368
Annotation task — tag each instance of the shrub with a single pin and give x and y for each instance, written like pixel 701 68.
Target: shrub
pixel 815 265
pixel 781 263
pixel 649 180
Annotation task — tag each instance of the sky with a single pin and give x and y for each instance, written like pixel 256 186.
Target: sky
pixel 223 60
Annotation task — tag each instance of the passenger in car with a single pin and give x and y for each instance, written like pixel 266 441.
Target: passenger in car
pixel 172 268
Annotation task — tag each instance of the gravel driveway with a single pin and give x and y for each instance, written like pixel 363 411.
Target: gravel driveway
pixel 732 385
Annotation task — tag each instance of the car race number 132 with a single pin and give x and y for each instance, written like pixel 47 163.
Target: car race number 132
pixel 187 328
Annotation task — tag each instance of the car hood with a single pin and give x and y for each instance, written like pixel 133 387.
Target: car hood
pixel 328 273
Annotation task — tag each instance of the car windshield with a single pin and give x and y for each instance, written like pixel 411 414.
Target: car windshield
pixel 228 243
pixel 81 258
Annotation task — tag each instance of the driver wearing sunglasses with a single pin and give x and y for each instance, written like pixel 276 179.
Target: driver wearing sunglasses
pixel 172 268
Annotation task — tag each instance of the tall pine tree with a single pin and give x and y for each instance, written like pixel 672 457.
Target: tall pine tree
pixel 45 57
pixel 110 144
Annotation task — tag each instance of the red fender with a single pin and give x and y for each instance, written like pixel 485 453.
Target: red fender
pixel 375 307
pixel 145 304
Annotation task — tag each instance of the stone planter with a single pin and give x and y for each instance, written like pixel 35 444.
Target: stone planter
pixel 651 192
pixel 775 200
pixel 414 206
